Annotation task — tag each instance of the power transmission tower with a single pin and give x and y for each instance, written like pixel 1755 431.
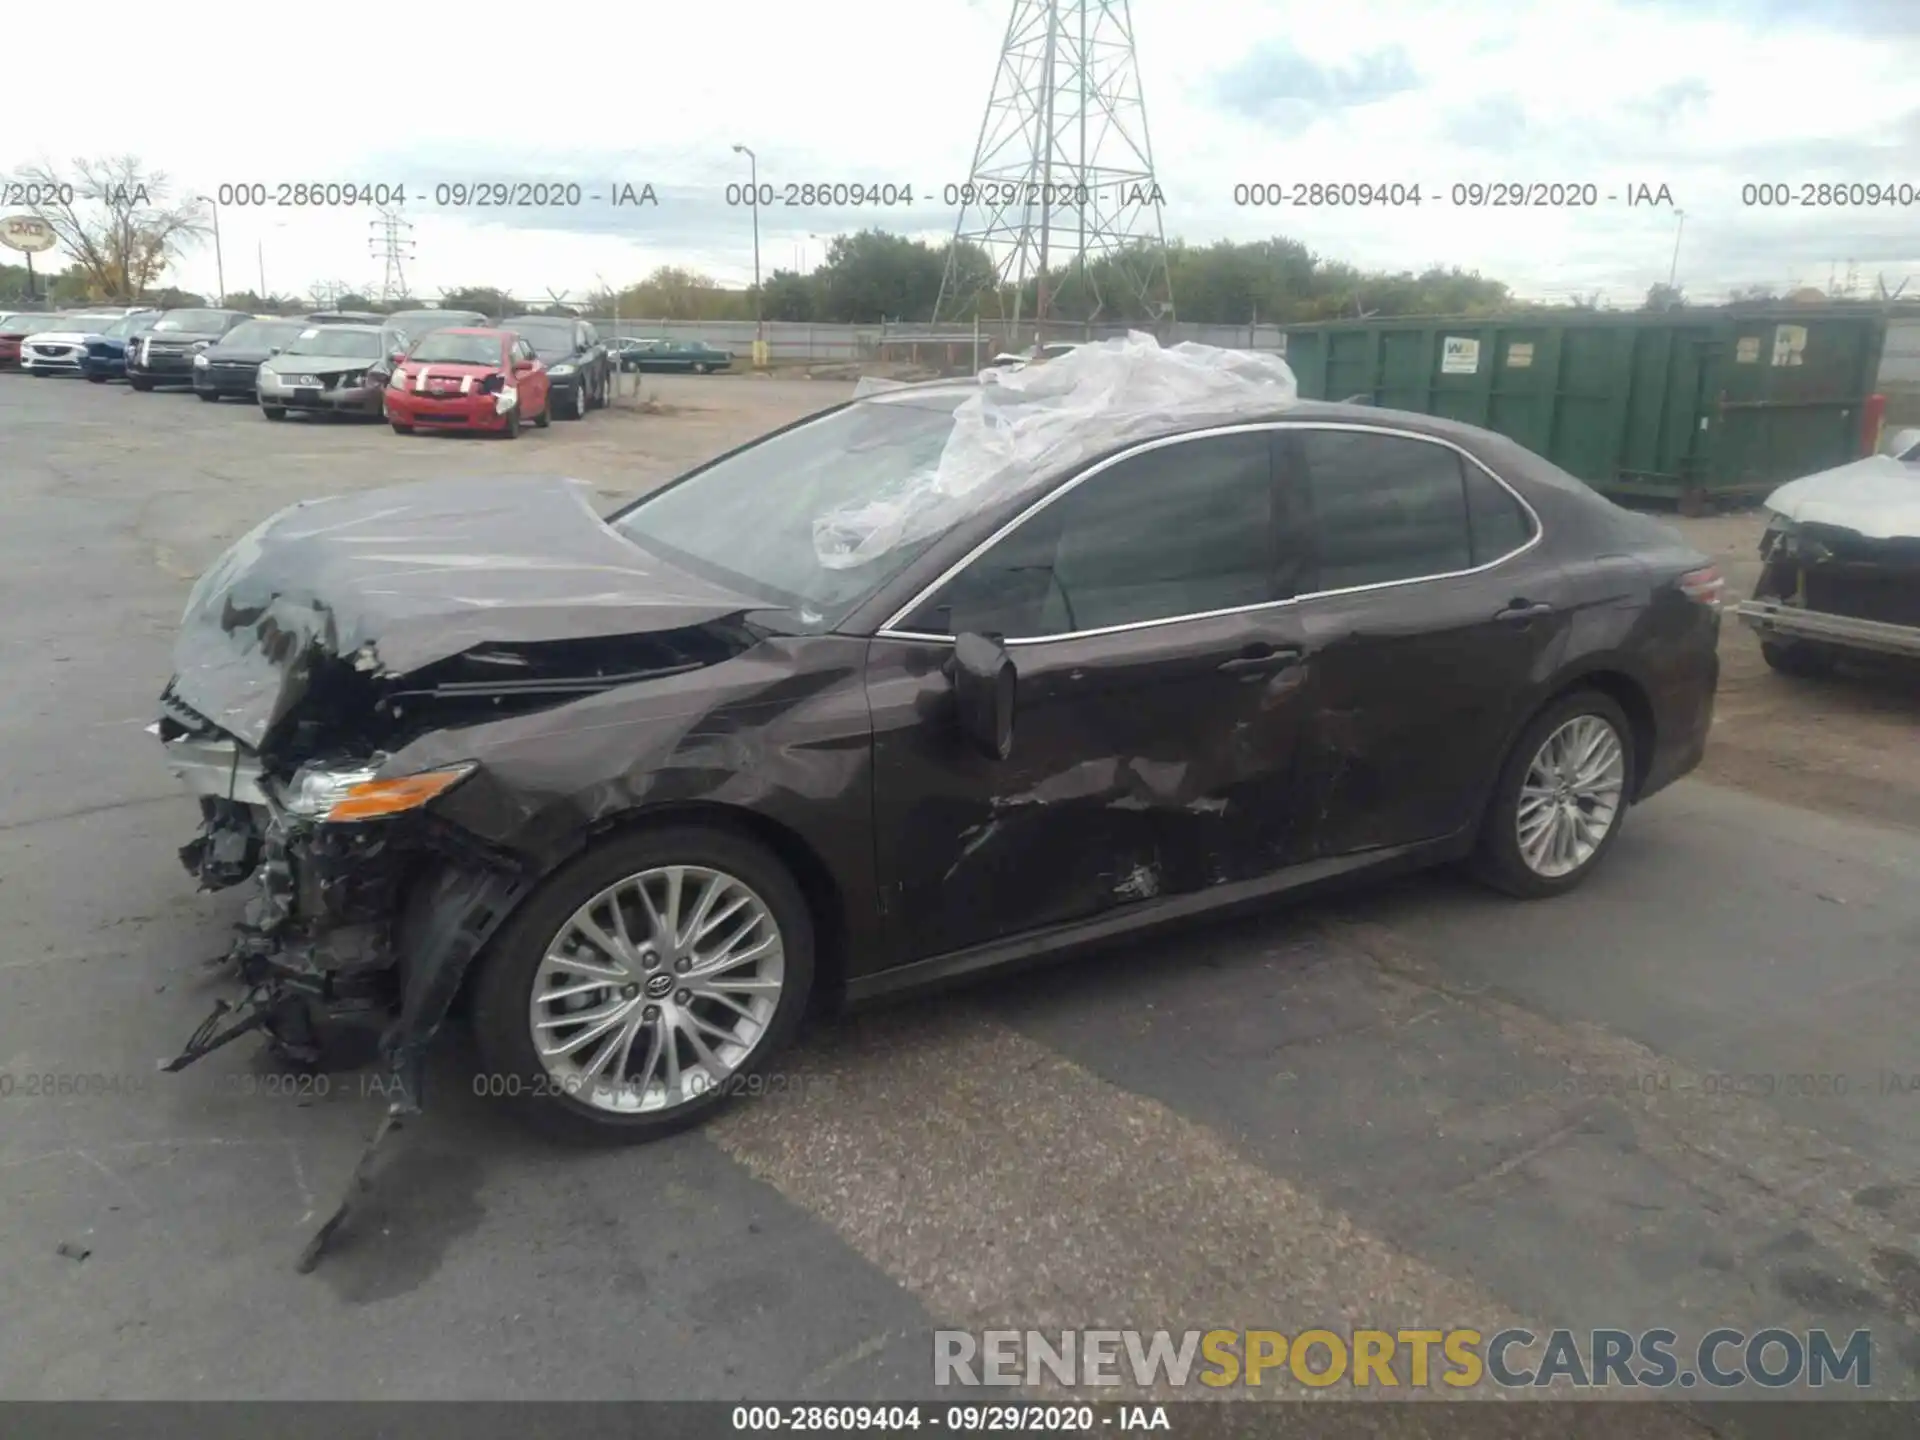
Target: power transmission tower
pixel 393 244
pixel 1062 191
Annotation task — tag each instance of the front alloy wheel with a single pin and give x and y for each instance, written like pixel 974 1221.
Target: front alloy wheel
pixel 645 984
pixel 1560 798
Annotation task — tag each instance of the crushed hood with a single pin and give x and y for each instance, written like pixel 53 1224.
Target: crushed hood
pixel 1878 497
pixel 387 582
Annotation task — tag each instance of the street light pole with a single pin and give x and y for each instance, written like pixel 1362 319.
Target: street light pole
pixel 759 322
pixel 1674 268
pixel 219 264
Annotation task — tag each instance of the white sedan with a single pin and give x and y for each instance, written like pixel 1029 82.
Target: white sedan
pixel 59 352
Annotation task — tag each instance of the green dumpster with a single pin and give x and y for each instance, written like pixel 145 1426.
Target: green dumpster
pixel 1692 407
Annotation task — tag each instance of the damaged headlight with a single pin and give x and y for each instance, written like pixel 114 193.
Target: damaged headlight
pixel 333 793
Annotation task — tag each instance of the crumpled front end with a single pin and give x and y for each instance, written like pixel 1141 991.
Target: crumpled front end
pixel 348 871
pixel 1831 584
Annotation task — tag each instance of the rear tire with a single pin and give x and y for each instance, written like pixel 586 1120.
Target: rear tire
pixel 274 412
pixel 97 379
pixel 1500 860
pixel 1802 659
pixel 511 969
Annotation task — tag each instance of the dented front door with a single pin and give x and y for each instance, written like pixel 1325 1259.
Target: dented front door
pixel 1151 762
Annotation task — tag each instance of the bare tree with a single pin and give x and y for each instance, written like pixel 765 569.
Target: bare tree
pixel 117 220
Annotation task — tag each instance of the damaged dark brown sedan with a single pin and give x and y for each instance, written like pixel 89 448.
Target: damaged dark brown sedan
pixel 837 715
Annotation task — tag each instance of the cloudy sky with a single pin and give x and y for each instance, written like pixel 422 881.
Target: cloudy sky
pixel 1699 96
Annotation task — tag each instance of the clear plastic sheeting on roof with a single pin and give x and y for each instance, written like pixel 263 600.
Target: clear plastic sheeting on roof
pixel 1021 426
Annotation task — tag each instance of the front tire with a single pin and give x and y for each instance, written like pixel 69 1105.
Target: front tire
pixel 545 417
pixel 274 412
pixel 1560 799
pixel 400 429
pixel 97 379
pixel 143 386
pixel 512 428
pixel 1799 658
pixel 577 406
pixel 209 396
pixel 688 954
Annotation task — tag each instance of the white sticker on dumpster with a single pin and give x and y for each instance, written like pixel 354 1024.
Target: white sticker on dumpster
pixel 1747 352
pixel 1459 355
pixel 1520 355
pixel 1789 344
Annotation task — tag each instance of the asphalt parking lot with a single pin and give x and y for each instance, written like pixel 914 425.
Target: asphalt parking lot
pixel 1687 1095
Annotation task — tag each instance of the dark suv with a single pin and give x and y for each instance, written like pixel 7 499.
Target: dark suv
pixel 164 355
pixel 578 367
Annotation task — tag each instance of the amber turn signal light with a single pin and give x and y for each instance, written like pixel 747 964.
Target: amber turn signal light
pixel 374 799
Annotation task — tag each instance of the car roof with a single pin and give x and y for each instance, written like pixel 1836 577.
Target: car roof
pixel 1485 444
pixel 495 330
pixel 348 329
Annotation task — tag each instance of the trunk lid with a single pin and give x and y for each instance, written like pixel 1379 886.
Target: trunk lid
pixel 364 589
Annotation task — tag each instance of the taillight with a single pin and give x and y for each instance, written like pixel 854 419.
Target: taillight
pixel 1704 586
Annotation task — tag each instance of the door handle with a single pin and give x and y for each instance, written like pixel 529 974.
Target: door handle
pixel 1524 610
pixel 1263 661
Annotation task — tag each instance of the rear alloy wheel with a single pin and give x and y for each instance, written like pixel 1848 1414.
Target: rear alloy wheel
pixel 274 412
pixel 1799 658
pixel 644 985
pixel 1560 798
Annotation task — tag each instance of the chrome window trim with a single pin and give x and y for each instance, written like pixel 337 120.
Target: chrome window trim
pixel 888 632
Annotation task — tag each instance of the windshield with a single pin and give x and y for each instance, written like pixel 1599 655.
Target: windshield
pixel 33 324
pixel 850 457
pixel 128 325
pixel 338 341
pixel 451 346
pixel 90 324
pixel 198 321
pixel 548 340
pixel 259 335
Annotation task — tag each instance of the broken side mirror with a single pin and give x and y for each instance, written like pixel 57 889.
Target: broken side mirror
pixel 983 691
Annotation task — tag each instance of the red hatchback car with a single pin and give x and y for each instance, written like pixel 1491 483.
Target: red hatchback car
pixel 468 379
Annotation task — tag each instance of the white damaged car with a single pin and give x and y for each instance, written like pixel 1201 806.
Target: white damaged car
pixel 1842 572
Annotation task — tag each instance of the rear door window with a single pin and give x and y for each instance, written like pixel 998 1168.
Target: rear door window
pixel 1385 508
